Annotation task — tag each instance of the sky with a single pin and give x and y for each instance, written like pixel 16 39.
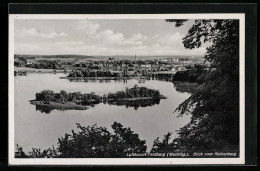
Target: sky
pixel 104 37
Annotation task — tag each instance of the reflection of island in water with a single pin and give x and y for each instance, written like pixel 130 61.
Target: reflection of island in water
pixel 44 109
pixel 135 97
pixel 98 80
pixel 128 104
pixel 47 107
pixel 135 103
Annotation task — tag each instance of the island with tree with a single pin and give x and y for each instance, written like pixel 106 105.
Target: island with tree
pixel 133 97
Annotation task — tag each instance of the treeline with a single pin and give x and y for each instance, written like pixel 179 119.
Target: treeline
pixel 97 142
pixel 91 98
pixel 179 144
pixel 91 141
pixel 88 73
pixel 47 64
pixel 192 75
pixel 53 56
pixel 76 97
pixel 42 64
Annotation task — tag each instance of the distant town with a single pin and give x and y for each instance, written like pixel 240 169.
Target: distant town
pixel 101 66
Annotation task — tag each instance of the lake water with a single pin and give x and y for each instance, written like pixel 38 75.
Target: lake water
pixel 40 130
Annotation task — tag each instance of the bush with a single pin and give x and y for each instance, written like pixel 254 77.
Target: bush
pixel 91 141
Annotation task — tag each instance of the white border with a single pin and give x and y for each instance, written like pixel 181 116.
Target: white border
pixel 127 161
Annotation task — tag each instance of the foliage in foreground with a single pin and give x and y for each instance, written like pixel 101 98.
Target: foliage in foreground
pixel 91 141
pixel 214 106
pixel 192 75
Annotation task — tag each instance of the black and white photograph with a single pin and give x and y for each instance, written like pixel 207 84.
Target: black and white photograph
pixel 126 89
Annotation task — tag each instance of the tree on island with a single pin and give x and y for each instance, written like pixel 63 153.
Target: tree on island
pixel 49 96
pixel 133 97
pixel 135 92
pixel 214 106
pixel 81 72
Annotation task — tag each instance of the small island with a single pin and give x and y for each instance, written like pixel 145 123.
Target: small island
pixel 65 101
pixel 134 94
pixel 133 97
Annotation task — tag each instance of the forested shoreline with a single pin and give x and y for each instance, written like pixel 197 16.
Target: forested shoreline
pixel 88 73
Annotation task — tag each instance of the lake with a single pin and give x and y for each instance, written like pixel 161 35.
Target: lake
pixel 41 130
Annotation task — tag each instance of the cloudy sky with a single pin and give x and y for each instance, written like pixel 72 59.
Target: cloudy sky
pixel 100 37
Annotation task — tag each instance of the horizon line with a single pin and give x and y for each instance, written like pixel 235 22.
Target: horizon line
pixel 104 55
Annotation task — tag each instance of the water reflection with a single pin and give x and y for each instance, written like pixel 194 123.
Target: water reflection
pixel 35 129
pixel 93 80
pixel 183 87
pixel 43 109
pixel 97 80
pixel 136 104
pixel 127 104
pixel 167 79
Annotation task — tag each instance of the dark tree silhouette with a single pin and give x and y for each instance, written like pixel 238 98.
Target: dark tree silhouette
pixel 214 106
pixel 91 141
pixel 178 23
